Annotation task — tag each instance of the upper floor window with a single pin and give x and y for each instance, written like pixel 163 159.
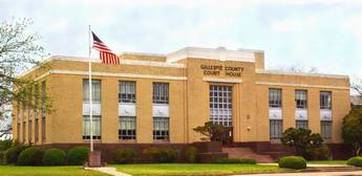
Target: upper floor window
pixel 160 93
pixel 301 99
pixel 326 100
pixel 127 92
pixel 96 91
pixel 275 98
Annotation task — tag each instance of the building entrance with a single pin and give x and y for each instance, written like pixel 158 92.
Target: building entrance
pixel 221 107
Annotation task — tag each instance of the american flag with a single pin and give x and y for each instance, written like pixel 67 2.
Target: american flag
pixel 105 54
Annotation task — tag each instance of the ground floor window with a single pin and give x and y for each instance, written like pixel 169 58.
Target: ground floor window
pixel 36 132
pixel 326 130
pixel 301 124
pixel 24 131
pixel 18 132
pixel 96 120
pixel 30 130
pixel 160 128
pixel 276 129
pixel 43 129
pixel 127 127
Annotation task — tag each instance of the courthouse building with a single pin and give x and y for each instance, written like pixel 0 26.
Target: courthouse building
pixel 159 99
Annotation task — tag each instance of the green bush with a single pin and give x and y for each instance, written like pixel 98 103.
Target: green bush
pixel 125 156
pixel 12 154
pixel 355 161
pixel 234 161
pixel 292 162
pixel 2 157
pixel 77 155
pixel 5 144
pixel 319 153
pixel 191 154
pixel 160 155
pixel 54 157
pixel 31 156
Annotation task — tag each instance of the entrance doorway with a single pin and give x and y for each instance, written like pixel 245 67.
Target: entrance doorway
pixel 221 108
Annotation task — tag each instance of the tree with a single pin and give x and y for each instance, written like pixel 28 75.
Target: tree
pixel 302 140
pixel 357 86
pixel 19 50
pixel 213 131
pixel 352 130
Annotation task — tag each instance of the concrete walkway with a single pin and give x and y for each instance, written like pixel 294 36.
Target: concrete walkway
pixel 108 170
pixel 308 165
pixel 310 174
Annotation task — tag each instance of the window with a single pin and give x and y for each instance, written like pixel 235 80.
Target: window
pixel 160 93
pixel 24 131
pixel 18 126
pixel 96 91
pixel 326 130
pixel 221 105
pixel 275 98
pixel 36 100
pixel 301 124
pixel 160 128
pixel 43 130
pixel 326 100
pixel 43 111
pixel 36 128
pixel 127 92
pixel 301 99
pixel 96 127
pixel 127 128
pixel 30 129
pixel 276 129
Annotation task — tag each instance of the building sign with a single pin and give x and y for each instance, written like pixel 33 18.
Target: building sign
pixel 219 70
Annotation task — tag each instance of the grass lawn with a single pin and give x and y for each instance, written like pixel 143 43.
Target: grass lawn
pixel 47 171
pixel 328 162
pixel 195 169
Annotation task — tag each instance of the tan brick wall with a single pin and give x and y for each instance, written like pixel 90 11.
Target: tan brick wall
pixel 189 100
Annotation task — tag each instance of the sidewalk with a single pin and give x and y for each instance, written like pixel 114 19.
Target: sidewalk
pixel 108 170
pixel 309 174
pixel 308 165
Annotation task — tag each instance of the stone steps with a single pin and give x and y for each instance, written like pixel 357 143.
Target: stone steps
pixel 244 152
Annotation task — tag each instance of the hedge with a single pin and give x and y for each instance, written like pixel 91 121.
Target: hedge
pixel 127 155
pixel 190 154
pixel 12 154
pixel 355 161
pixel 54 157
pixel 292 162
pixel 31 156
pixel 161 155
pixel 77 155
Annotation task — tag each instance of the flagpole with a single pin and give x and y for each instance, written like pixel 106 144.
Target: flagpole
pixel 90 89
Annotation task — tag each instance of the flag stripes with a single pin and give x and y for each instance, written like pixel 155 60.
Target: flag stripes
pixel 105 54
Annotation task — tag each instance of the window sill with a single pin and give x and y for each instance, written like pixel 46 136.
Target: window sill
pixel 98 141
pixel 127 141
pixel 161 141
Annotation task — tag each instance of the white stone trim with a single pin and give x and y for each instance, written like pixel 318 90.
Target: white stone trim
pixel 300 85
pixel 122 61
pixel 127 109
pixel 127 75
pixel 211 53
pixel 209 79
pixel 160 110
pixel 326 114
pixel 277 72
pixel 275 114
pixel 301 114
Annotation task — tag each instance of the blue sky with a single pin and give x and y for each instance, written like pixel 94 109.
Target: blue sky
pixel 326 34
